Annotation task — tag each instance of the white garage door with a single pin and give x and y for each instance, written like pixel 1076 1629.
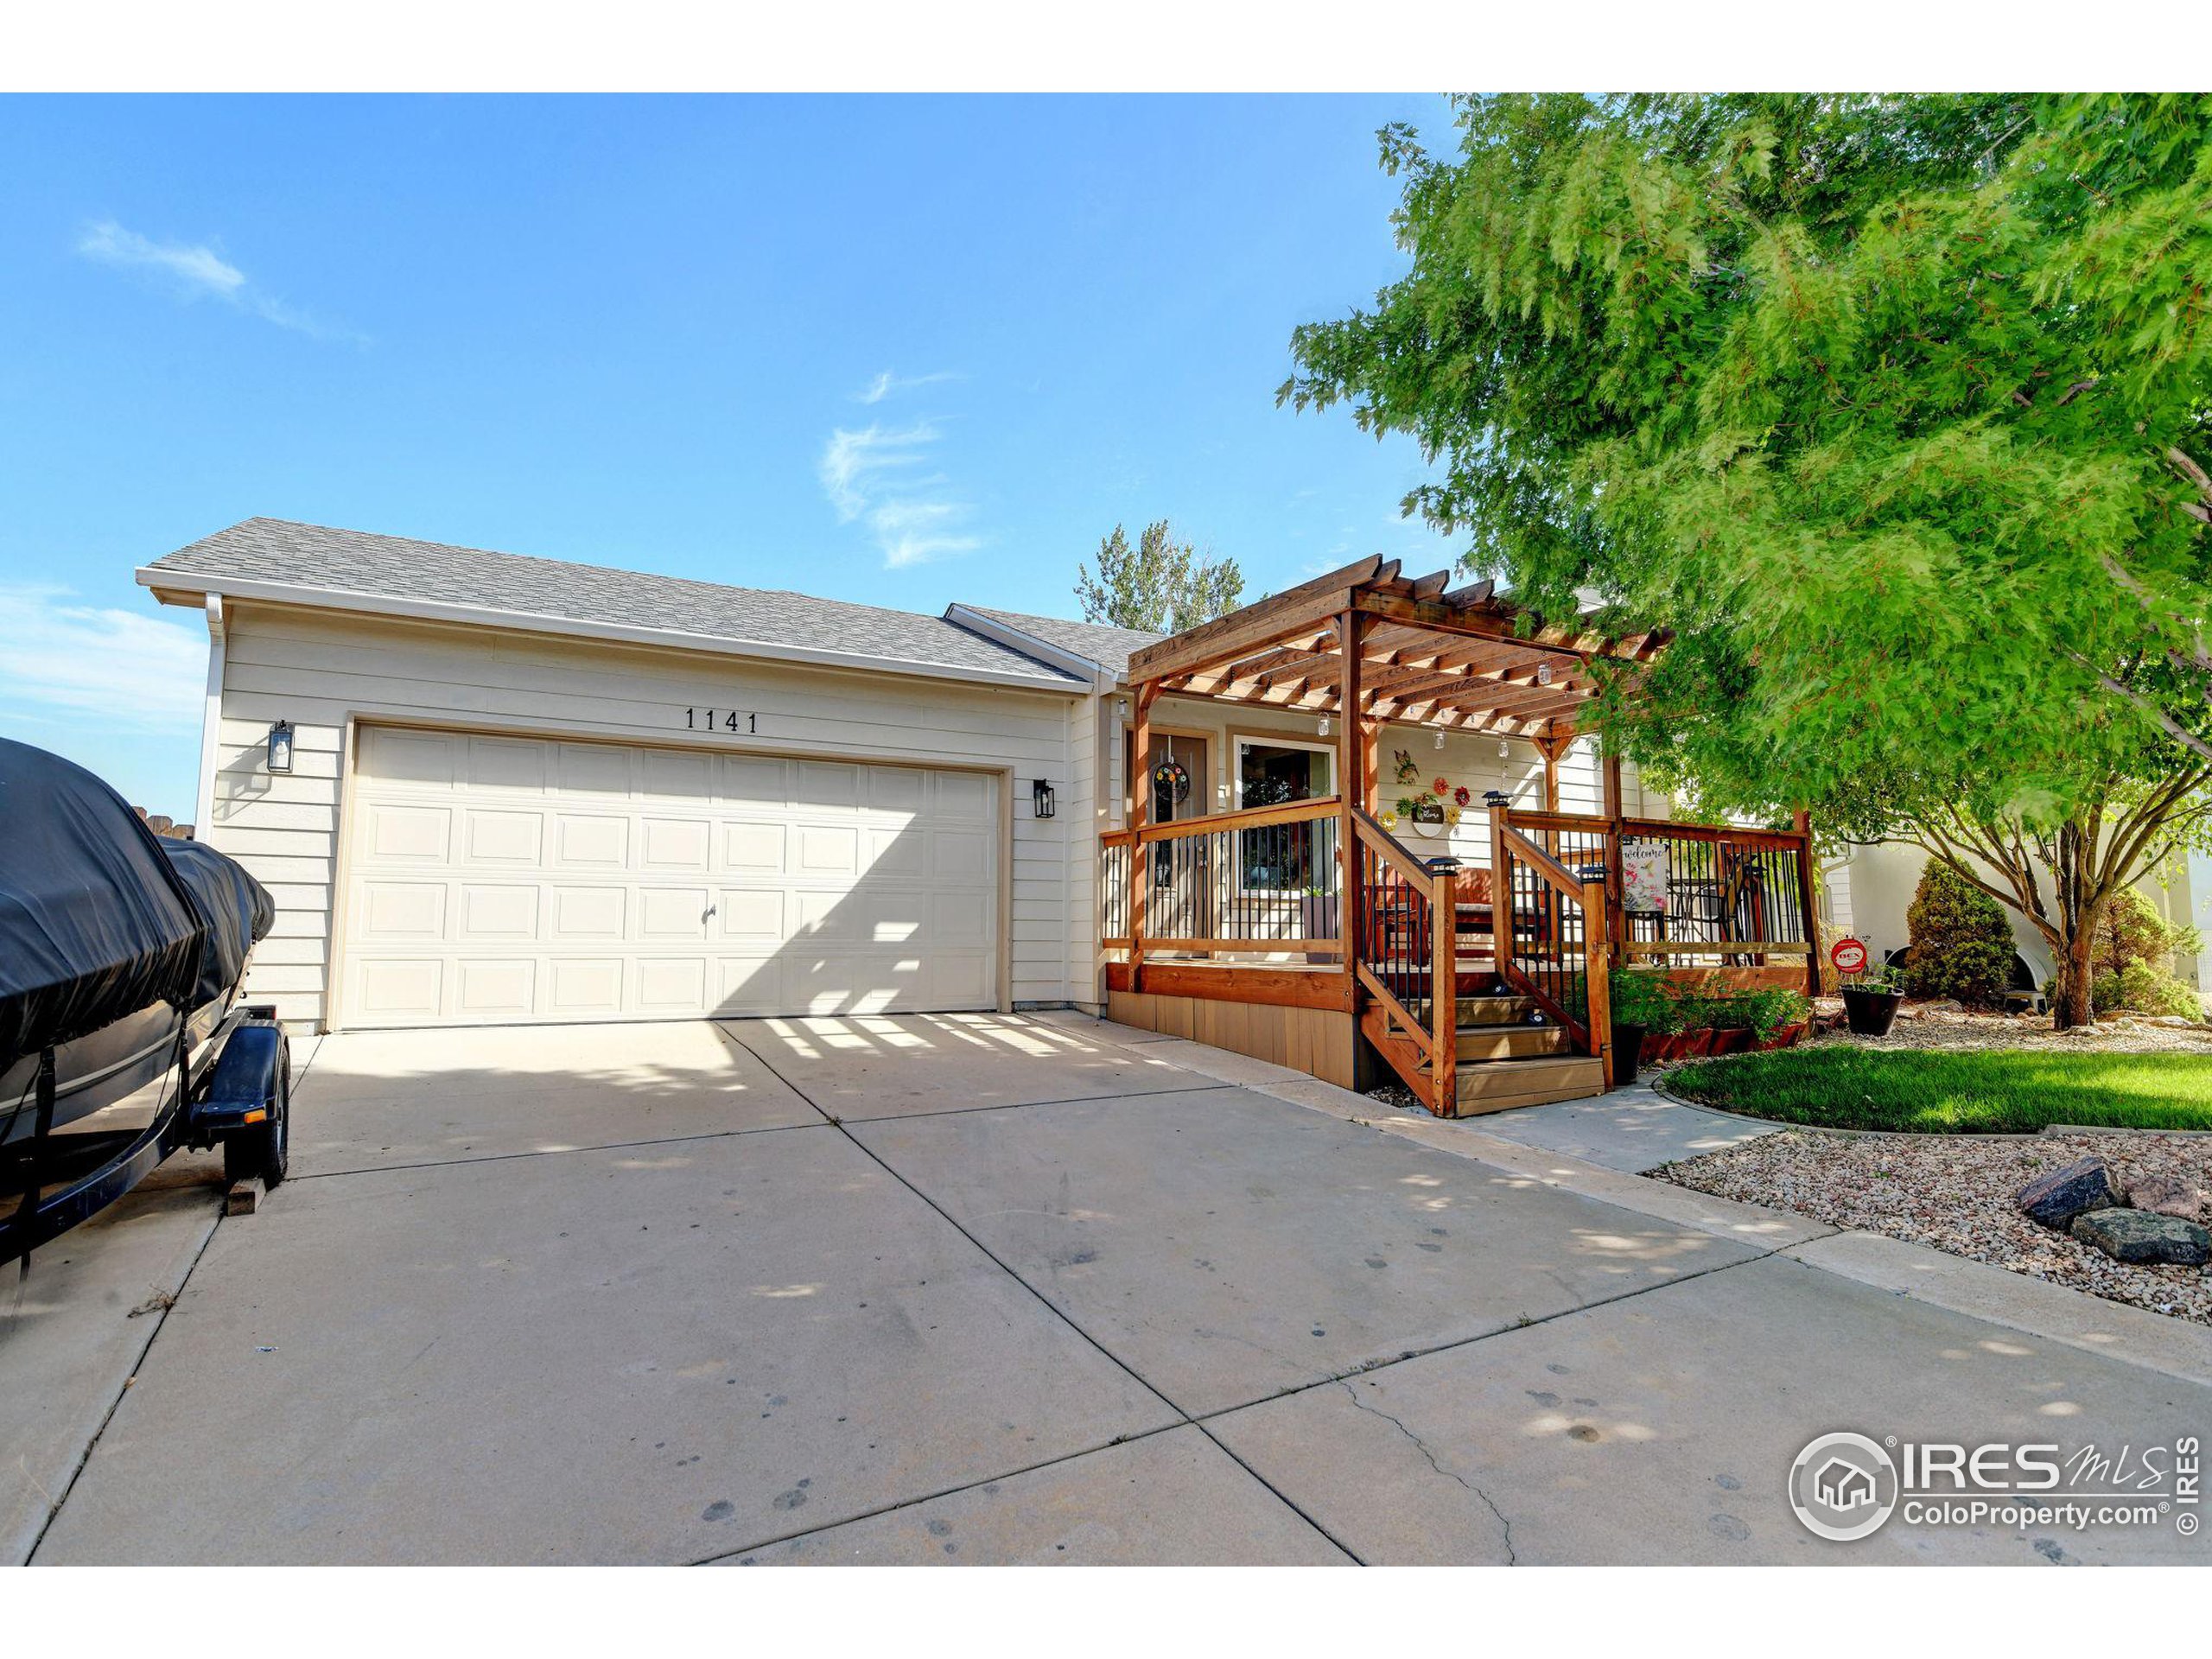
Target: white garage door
pixel 496 878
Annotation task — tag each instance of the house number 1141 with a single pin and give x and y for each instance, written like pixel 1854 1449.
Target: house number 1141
pixel 727 720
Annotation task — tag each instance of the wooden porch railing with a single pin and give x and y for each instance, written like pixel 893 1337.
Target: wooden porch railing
pixel 1265 881
pixel 1706 896
pixel 1553 940
pixel 1408 963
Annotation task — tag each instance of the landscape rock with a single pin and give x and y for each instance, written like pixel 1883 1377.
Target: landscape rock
pixel 2054 1199
pixel 2167 1195
pixel 2138 1235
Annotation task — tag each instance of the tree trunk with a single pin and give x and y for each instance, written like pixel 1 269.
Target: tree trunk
pixel 2070 1005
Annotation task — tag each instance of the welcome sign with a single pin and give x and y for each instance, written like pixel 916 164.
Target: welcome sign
pixel 1644 875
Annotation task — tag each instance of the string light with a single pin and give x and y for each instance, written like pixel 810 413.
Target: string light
pixel 1325 725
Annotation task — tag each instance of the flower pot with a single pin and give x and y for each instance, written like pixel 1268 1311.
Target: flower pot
pixel 1871 1013
pixel 1785 1038
pixel 1732 1040
pixel 1628 1052
pixel 1317 919
pixel 1697 1044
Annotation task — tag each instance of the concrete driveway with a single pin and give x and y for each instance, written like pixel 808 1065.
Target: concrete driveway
pixel 977 1288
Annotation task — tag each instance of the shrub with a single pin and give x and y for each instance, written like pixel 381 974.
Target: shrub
pixel 1647 998
pixel 2131 960
pixel 2139 988
pixel 1961 944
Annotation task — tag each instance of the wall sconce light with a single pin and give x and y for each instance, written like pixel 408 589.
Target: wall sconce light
pixel 1495 798
pixel 1325 725
pixel 280 747
pixel 1041 803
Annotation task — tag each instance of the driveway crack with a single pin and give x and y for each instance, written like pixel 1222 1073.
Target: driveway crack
pixel 1505 1527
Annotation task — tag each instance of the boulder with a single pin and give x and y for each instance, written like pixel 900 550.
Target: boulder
pixel 2054 1199
pixel 2167 1195
pixel 2138 1235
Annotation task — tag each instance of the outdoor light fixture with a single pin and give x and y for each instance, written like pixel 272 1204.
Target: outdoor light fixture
pixel 1543 673
pixel 1325 725
pixel 280 747
pixel 1440 737
pixel 1504 750
pixel 1042 803
pixel 1495 798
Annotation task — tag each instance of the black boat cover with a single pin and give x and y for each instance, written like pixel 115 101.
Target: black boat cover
pixel 95 922
pixel 236 909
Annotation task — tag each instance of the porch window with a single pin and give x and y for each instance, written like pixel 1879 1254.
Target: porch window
pixel 1275 771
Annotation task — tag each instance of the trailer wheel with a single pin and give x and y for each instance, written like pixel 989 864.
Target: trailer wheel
pixel 265 1150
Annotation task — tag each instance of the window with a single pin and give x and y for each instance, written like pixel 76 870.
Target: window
pixel 1274 772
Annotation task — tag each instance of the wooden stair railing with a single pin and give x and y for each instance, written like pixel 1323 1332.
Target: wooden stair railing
pixel 1406 953
pixel 1553 937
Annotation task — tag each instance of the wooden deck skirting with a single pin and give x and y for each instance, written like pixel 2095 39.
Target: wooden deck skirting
pixel 1386 960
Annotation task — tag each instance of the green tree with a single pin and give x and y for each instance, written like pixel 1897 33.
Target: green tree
pixel 1161 586
pixel 1895 410
pixel 1961 944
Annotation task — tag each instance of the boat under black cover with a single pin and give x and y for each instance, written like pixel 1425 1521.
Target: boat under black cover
pixel 121 958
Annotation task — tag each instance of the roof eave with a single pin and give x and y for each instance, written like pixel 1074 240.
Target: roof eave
pixel 173 585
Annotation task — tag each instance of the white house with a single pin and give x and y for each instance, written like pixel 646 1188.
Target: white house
pixel 522 790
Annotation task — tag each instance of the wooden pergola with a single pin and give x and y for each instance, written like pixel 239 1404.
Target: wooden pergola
pixel 1421 654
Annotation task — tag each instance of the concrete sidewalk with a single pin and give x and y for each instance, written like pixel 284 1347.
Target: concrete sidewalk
pixel 977 1288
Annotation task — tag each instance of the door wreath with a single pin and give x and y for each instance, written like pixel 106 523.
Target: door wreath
pixel 1174 777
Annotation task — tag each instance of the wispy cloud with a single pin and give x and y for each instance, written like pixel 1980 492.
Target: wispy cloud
pixel 878 475
pixel 139 673
pixel 194 271
pixel 886 383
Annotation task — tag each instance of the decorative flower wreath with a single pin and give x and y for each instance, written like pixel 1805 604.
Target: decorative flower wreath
pixel 1176 776
pixel 1451 813
pixel 1441 786
pixel 1460 796
pixel 1389 820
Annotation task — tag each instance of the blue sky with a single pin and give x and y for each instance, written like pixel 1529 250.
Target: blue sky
pixel 901 351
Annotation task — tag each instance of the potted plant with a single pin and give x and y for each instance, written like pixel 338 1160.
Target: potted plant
pixel 1317 919
pixel 1778 1018
pixel 1641 1012
pixel 1870 1000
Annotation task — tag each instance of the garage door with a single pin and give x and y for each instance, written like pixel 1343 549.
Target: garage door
pixel 495 878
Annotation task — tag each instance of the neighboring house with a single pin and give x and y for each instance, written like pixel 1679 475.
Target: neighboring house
pixel 1870 891
pixel 524 790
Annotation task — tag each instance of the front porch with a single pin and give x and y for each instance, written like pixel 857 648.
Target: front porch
pixel 1308 933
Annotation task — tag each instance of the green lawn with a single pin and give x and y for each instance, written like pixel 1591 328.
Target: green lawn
pixel 1993 1091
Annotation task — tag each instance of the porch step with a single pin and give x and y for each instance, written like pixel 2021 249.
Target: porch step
pixel 1500 1085
pixel 1493 1041
pixel 1496 1010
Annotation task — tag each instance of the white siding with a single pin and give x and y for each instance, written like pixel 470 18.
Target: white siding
pixel 321 670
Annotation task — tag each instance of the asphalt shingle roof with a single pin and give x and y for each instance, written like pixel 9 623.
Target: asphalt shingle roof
pixel 355 562
pixel 1109 647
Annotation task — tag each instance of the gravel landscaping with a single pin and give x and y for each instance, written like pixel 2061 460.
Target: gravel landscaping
pixel 1936 1026
pixel 1955 1192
